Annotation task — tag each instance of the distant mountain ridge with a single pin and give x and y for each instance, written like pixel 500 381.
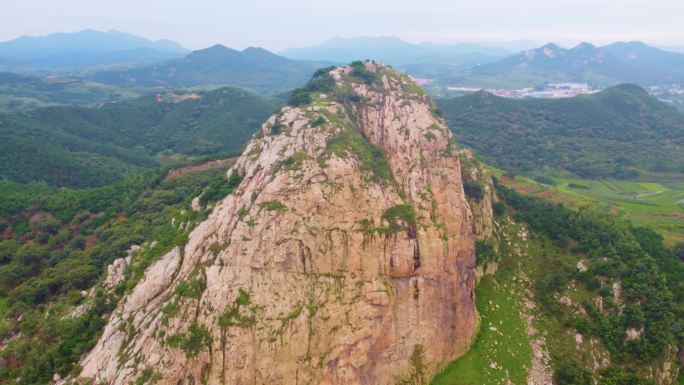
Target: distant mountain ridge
pixel 392 50
pixel 88 39
pixel 441 62
pixel 83 49
pixel 253 68
pixel 622 62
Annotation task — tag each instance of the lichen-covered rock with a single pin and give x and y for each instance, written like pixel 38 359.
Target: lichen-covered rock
pixel 117 269
pixel 346 255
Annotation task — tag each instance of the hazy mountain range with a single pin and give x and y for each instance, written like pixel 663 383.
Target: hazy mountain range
pixel 424 60
pixel 623 62
pixel 673 48
pixel 100 56
pixel 87 48
pixel 489 66
pixel 392 50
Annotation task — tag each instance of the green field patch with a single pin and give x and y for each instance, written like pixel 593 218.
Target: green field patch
pixel 658 203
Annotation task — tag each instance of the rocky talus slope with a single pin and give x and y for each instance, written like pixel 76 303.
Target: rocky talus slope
pixel 346 255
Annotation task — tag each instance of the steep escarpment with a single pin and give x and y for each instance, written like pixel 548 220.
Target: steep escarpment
pixel 345 256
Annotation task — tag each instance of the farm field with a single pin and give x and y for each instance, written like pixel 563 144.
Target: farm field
pixel 656 201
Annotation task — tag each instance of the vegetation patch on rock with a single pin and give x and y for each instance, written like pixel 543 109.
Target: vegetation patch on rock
pixel 193 341
pixel 350 142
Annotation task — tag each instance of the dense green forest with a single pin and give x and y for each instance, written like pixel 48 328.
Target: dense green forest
pixel 616 133
pixel 88 147
pixel 610 251
pixel 56 243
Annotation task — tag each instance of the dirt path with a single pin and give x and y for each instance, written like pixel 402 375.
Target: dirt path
pixel 200 167
pixel 540 372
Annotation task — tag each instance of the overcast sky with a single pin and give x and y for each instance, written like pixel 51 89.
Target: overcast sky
pixel 277 24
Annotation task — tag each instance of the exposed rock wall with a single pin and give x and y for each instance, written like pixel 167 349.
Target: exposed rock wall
pixel 482 209
pixel 303 276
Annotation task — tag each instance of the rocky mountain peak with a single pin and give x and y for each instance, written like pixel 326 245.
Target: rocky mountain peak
pixel 345 256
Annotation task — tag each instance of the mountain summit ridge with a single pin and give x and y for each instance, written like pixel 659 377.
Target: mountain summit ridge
pixel 254 68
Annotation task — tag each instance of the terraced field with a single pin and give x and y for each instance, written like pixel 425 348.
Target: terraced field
pixel 658 202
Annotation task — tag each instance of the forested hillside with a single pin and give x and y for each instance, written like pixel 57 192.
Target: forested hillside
pixel 572 297
pixel 55 243
pixel 616 133
pixel 86 147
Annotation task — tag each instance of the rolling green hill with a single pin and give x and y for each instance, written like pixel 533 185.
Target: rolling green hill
pixel 616 133
pixel 87 147
pixel 253 68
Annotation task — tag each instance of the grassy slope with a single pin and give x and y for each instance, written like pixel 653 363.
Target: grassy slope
pixel 542 259
pixel 501 350
pixel 503 338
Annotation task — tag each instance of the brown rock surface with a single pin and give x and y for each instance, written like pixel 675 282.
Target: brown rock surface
pixel 310 278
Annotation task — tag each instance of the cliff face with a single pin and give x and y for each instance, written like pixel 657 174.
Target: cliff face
pixel 481 205
pixel 346 255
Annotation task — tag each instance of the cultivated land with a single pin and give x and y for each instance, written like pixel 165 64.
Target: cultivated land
pixel 656 201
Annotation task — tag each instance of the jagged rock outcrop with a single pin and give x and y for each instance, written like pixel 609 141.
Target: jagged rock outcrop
pixel 346 255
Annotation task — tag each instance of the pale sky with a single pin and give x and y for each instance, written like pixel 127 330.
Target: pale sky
pixel 277 24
